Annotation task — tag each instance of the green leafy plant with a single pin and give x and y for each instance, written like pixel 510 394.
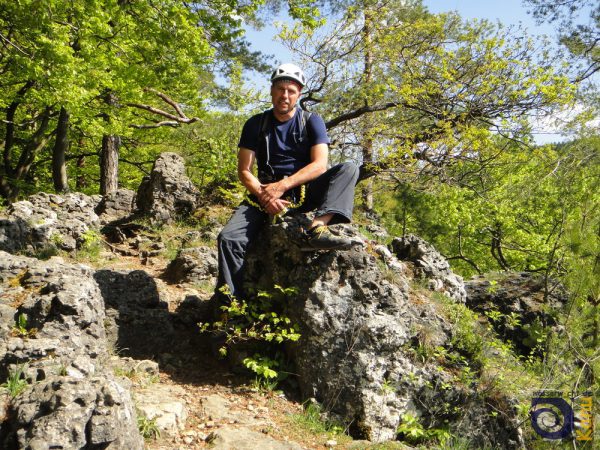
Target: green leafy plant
pixel 20 329
pixel 494 315
pixel 411 430
pixel 260 320
pixel 57 239
pixel 16 383
pixel 493 287
pixel 312 419
pixel 262 366
pixel 90 245
pixel 147 427
pixel 388 387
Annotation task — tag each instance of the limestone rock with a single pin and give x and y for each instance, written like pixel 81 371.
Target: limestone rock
pixel 194 309
pixel 48 219
pixel 357 327
pixel 193 265
pixel 63 303
pixel 116 205
pixel 239 438
pixel 217 407
pixel 430 265
pixel 77 413
pixel 163 404
pixel 72 401
pixel 137 321
pixel 522 296
pixel 167 193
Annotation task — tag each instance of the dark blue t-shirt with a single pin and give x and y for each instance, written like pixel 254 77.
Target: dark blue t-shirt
pixel 288 152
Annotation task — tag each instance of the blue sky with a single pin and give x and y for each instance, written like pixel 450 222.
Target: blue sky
pixel 509 12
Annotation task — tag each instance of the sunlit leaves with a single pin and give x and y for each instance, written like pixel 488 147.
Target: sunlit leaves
pixel 78 54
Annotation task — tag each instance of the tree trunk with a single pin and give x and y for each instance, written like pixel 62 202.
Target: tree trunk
pixel 109 164
pixel 61 145
pixel 80 182
pixel 367 148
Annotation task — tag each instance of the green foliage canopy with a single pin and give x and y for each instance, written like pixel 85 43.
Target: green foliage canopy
pixel 439 89
pixel 105 61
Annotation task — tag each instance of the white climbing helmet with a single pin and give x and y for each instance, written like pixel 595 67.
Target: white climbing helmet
pixel 291 72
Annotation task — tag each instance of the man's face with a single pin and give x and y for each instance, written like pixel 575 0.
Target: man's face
pixel 284 95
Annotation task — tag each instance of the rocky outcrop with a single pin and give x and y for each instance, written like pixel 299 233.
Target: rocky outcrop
pixel 72 413
pixel 43 220
pixel 193 265
pixel 116 205
pixel 72 399
pixel 363 323
pixel 45 223
pixel 167 193
pixel 137 321
pixel 430 265
pixel 359 326
pixel 522 307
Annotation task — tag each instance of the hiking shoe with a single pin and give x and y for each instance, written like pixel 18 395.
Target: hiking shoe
pixel 321 238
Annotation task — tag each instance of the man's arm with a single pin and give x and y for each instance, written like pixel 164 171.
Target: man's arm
pixel 246 158
pixel 319 155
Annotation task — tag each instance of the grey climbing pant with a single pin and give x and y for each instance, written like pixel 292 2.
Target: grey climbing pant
pixel 330 193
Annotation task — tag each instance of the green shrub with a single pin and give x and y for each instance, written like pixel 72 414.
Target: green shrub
pixel 261 321
pixel 412 431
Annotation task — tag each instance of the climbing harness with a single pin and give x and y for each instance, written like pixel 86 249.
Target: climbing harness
pixel 279 216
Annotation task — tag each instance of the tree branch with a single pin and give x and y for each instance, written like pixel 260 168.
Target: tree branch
pixel 359 112
pixel 174 119
pixel 12 44
pixel 164 123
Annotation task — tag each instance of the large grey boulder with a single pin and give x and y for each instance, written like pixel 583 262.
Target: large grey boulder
pixel 521 306
pixel 359 329
pixel 193 265
pixel 48 219
pixel 137 322
pixel 167 193
pixel 116 205
pixel 72 400
pixel 430 265
pixel 64 304
pixel 71 413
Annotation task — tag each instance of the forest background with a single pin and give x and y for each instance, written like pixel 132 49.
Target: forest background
pixel 437 109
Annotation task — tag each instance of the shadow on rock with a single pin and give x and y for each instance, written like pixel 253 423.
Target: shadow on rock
pixel 137 323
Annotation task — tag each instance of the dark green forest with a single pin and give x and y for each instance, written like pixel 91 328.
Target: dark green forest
pixel 438 110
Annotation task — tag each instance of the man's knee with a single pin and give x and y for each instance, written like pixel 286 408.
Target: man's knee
pixel 222 237
pixel 234 230
pixel 227 237
pixel 349 168
pixel 350 171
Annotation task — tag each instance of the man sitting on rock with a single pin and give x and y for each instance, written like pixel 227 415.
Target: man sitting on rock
pixel 290 147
